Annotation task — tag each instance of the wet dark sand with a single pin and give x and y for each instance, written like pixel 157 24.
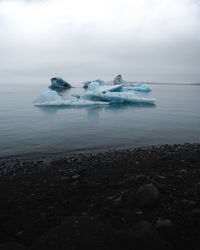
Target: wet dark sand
pixel 145 198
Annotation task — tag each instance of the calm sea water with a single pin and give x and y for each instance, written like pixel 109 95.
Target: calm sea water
pixel 25 129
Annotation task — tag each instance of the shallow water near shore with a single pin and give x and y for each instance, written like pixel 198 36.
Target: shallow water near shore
pixel 26 129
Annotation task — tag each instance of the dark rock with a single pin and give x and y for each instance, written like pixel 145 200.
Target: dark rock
pixel 76 176
pixel 193 203
pixel 142 236
pixel 75 233
pixel 196 211
pixel 12 246
pixel 65 179
pixel 183 171
pixel 165 228
pixel 147 195
pixel 140 178
pixel 160 177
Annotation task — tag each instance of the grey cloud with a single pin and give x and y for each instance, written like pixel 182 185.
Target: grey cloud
pixel 157 49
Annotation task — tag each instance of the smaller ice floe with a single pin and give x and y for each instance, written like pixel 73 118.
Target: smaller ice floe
pixel 51 98
pixel 116 97
pixel 142 88
pixel 138 88
pixel 95 86
pixel 87 83
pixel 57 83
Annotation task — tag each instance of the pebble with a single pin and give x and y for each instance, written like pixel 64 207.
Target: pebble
pixel 118 199
pixel 12 246
pixel 142 236
pixel 65 178
pixel 138 212
pixel 147 195
pixel 196 211
pixel 140 178
pixel 19 233
pixel 183 171
pixel 193 203
pixel 76 177
pixel 160 177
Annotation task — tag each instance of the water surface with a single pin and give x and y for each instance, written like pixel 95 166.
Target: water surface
pixel 25 129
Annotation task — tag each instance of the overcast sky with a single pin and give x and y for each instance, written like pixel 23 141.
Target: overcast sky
pixel 144 40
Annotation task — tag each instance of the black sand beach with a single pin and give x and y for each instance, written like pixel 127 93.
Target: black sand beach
pixel 144 198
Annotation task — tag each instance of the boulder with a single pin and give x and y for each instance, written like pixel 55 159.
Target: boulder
pixel 141 236
pixel 78 233
pixel 147 195
pixel 166 229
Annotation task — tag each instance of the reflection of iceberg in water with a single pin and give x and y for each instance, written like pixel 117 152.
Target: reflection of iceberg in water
pixel 51 98
pixel 124 106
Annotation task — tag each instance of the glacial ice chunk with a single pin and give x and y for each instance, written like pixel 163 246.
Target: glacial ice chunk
pixel 138 88
pixel 118 80
pixel 51 98
pixel 57 83
pixel 48 96
pixel 142 88
pixel 93 86
pixel 116 97
pixel 87 83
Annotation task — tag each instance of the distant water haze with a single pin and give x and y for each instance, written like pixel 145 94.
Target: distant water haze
pixel 146 40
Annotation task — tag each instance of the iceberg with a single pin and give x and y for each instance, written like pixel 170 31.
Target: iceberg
pixel 138 88
pixel 116 97
pixel 117 93
pixel 142 88
pixel 58 83
pixel 87 83
pixel 51 98
pixel 118 80
pixel 95 86
pixel 98 93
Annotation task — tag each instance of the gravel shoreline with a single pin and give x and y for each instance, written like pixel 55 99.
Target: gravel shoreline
pixel 145 198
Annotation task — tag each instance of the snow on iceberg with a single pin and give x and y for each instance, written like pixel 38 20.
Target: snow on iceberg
pixel 138 88
pixel 95 86
pixel 51 98
pixel 116 97
pixel 87 83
